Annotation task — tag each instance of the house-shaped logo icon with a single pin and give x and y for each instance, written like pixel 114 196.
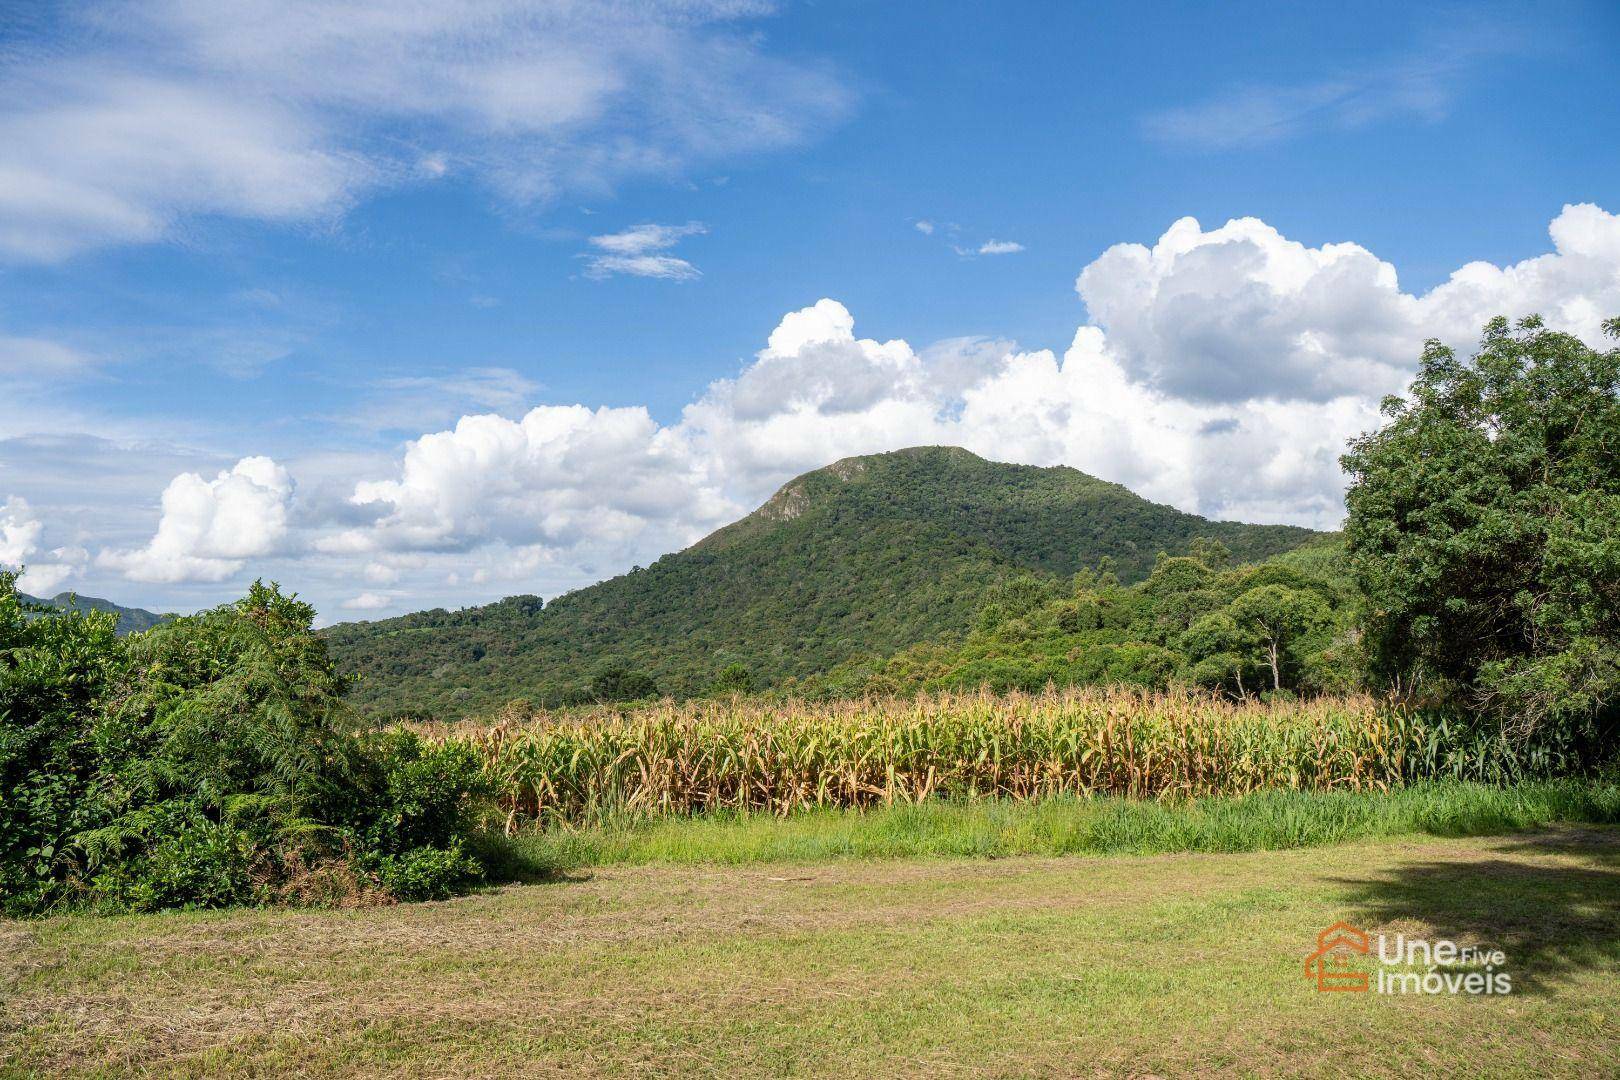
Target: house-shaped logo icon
pixel 1330 964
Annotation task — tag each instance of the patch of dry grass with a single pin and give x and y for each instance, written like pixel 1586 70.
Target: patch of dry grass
pixel 1166 965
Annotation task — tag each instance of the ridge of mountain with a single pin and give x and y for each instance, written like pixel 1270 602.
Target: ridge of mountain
pixel 866 555
pixel 131 620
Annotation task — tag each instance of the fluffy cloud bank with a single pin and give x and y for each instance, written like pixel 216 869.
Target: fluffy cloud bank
pixel 560 478
pixel 210 528
pixel 1242 312
pixel 19 532
pixel 1221 371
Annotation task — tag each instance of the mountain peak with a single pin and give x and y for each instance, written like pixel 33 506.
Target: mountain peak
pixel 908 478
pixel 869 554
pixel 793 497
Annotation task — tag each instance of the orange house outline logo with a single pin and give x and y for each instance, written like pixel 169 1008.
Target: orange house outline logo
pixel 1330 964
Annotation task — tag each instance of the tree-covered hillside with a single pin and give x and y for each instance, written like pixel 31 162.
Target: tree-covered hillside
pixel 1287 624
pixel 866 556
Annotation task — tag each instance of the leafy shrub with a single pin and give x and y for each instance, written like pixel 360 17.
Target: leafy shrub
pixel 209 761
pixel 186 860
pixel 52 670
pixel 427 873
pixel 419 793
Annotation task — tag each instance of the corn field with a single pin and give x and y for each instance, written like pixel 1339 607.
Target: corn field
pixel 750 754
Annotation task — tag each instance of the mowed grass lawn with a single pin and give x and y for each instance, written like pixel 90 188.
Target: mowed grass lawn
pixel 1166 965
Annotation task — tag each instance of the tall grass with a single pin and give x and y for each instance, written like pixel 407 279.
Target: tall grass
pixel 773 757
pixel 1063 825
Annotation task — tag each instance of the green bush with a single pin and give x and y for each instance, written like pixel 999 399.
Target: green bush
pixel 186 860
pixel 419 792
pixel 427 873
pixel 52 670
pixel 207 762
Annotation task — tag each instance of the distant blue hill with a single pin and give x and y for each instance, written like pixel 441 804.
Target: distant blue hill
pixel 130 620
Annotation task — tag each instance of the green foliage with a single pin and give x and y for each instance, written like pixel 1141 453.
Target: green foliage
pixel 187 859
pixel 1288 624
pixel 1016 597
pixel 733 679
pixel 128 620
pixel 420 792
pixel 1274 622
pixel 865 557
pixel 52 670
pixel 236 703
pixel 427 873
pixel 616 682
pixel 205 762
pixel 1485 527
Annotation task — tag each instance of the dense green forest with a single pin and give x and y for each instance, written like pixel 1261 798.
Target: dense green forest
pixel 866 556
pixel 1287 624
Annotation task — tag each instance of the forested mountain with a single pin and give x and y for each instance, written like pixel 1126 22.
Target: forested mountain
pixel 130 620
pixel 866 556
pixel 1286 624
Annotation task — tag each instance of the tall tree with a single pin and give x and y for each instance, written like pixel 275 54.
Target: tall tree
pixel 1485 525
pixel 1277 620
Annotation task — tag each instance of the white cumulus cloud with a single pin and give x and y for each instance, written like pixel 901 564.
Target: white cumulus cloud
pixel 21 534
pixel 1242 312
pixel 209 528
pixel 1000 247
pixel 559 477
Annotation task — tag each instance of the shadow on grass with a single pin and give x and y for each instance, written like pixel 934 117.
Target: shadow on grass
pixel 506 863
pixel 1552 919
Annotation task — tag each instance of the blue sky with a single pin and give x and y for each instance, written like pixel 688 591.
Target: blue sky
pixel 316 238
